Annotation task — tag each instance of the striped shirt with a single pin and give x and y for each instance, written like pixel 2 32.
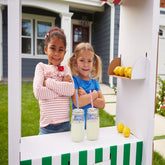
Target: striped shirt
pixel 54 97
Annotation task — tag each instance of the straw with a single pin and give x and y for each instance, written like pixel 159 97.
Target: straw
pixel 77 99
pixel 91 99
pixel 71 103
pixel 77 103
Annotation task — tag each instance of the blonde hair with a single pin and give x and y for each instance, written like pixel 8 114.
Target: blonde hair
pixel 97 65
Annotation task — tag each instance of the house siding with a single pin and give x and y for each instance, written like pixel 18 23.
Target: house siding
pixel 116 36
pixel 28 66
pixel 101 39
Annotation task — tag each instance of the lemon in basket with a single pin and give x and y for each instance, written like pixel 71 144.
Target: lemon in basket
pixel 121 71
pixel 120 127
pixel 116 70
pixel 126 131
pixel 126 71
pixel 129 72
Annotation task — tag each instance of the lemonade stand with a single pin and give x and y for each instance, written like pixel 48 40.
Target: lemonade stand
pixel 135 98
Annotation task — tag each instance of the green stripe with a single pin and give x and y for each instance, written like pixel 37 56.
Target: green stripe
pixel 26 162
pixel 65 159
pixel 98 155
pixel 110 102
pixel 139 148
pixel 47 160
pixel 126 154
pixel 83 158
pixel 159 137
pixel 113 155
pixel 109 94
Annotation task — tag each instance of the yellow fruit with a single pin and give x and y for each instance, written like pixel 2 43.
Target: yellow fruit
pixel 126 132
pixel 116 70
pixel 121 71
pixel 129 72
pixel 126 70
pixel 120 127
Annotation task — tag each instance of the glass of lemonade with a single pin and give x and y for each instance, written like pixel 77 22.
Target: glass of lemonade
pixel 92 124
pixel 77 125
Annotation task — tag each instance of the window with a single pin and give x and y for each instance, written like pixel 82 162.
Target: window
pixel 26 36
pixel 34 29
pixel 80 34
pixel 42 28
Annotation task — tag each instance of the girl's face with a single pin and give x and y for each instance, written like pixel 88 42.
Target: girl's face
pixel 55 51
pixel 84 64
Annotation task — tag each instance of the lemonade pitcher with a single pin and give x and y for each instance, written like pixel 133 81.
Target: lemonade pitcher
pixel 77 125
pixel 92 124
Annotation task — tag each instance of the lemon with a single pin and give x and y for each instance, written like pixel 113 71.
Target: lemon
pixel 126 70
pixel 120 127
pixel 121 71
pixel 129 72
pixel 116 70
pixel 126 132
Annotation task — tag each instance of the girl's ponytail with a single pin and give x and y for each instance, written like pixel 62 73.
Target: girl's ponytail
pixel 71 64
pixel 97 68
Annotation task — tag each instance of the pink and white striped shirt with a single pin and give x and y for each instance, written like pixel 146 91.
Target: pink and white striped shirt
pixel 54 97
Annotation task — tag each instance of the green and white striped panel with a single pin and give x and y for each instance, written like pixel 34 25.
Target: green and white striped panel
pixel 127 154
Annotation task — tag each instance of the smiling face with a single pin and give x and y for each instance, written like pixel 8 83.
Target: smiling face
pixel 55 50
pixel 85 64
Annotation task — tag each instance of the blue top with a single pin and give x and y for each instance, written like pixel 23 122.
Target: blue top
pixel 87 85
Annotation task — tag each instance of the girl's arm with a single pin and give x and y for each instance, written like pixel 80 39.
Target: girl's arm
pixel 84 99
pixel 100 101
pixel 39 90
pixel 62 88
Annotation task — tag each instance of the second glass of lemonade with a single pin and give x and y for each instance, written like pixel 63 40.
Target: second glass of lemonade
pixel 92 124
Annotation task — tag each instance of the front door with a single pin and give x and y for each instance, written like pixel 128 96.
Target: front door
pixel 80 34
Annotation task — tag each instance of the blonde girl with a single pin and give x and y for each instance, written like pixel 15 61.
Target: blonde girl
pixel 86 67
pixel 53 85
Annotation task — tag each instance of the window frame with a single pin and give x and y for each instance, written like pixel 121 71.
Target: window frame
pixel 25 17
pixel 34 19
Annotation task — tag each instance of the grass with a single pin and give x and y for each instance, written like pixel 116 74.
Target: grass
pixel 30 121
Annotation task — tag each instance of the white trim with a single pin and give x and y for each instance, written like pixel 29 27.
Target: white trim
pixel 14 81
pixel 36 18
pixel 34 57
pixel 162 9
pixel 66 26
pixel 112 39
pixel 51 5
pixel 88 5
pixel 26 17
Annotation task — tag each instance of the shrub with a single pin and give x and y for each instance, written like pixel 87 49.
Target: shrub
pixel 160 98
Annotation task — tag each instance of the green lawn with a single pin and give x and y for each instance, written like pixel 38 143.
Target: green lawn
pixel 30 120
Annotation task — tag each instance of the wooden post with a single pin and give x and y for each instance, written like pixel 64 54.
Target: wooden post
pixel 14 81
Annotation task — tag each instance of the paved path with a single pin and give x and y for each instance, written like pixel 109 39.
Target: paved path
pixel 159 129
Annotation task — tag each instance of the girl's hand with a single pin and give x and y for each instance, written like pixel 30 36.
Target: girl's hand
pixel 44 83
pixel 81 91
pixel 94 94
pixel 67 78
